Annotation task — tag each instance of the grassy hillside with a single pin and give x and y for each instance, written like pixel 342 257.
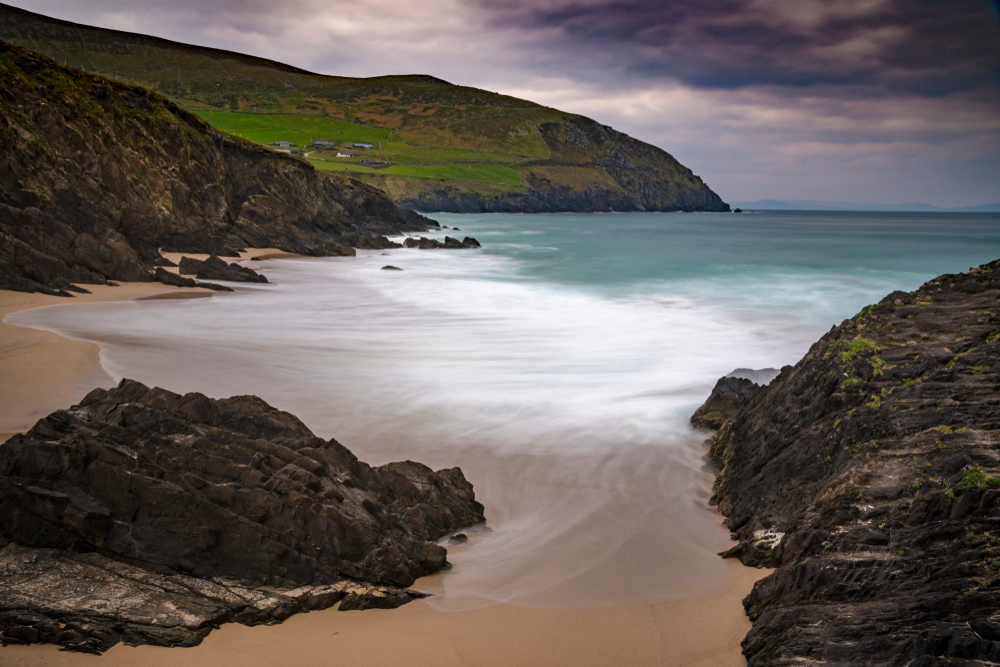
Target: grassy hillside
pixel 436 145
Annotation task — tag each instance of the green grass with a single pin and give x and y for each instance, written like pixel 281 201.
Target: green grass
pixel 301 130
pixel 298 129
pixel 858 345
pixel 500 174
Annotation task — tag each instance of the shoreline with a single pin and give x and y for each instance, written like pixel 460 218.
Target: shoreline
pixel 44 371
pixel 41 371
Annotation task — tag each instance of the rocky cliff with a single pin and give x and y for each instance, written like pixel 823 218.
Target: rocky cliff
pixel 528 158
pixel 97 176
pixel 869 475
pixel 634 176
pixel 145 516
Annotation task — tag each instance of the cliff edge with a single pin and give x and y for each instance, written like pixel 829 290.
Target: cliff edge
pixel 868 474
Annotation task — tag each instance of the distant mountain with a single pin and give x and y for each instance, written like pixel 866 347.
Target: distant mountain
pixel 430 145
pixel 813 205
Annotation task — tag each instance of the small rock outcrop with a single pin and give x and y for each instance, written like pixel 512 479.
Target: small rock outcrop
pixel 140 501
pixel 390 267
pixel 728 396
pixel 168 278
pixel 215 268
pixel 868 475
pixel 449 243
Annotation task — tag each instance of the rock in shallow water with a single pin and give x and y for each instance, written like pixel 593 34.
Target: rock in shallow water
pixel 449 243
pixel 231 493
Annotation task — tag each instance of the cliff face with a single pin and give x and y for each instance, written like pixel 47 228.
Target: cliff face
pixel 149 517
pixel 869 475
pixel 629 176
pixel 96 176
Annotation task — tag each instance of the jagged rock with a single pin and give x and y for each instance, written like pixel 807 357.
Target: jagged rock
pixel 729 394
pixel 215 268
pixel 136 495
pixel 87 602
pixel 469 241
pixel 97 178
pixel 168 278
pixel 390 267
pixel 869 475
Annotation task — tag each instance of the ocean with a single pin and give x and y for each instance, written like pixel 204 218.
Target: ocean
pixel 557 366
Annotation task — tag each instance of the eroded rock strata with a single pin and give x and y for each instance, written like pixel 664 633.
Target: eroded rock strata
pixel 97 176
pixel 145 516
pixel 868 474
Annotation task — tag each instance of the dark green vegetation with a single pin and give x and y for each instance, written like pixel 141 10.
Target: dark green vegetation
pixel 437 146
pixel 869 475
pixel 97 176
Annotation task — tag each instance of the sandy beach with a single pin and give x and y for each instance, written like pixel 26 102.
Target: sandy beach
pixel 703 632
pixel 42 371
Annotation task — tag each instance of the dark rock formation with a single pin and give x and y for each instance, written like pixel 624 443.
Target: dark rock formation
pixel 162 490
pixel 728 396
pixel 448 244
pixel 87 602
pixel 390 267
pixel 215 268
pixel 168 278
pixel 869 475
pixel 97 176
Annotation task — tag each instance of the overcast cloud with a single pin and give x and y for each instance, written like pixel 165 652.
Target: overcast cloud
pixel 879 101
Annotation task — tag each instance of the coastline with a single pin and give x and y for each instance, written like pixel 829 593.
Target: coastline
pixel 41 371
pixel 44 371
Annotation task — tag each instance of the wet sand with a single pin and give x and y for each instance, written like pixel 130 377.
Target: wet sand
pixel 41 371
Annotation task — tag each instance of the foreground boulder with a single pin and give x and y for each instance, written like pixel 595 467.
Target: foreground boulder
pixel 869 475
pixel 215 268
pixel 135 493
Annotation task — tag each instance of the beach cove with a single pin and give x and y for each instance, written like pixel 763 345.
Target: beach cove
pixel 563 396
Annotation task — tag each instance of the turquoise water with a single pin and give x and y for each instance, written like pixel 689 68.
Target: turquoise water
pixel 756 258
pixel 557 366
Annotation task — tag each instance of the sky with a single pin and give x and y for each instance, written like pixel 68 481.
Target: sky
pixel 873 101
